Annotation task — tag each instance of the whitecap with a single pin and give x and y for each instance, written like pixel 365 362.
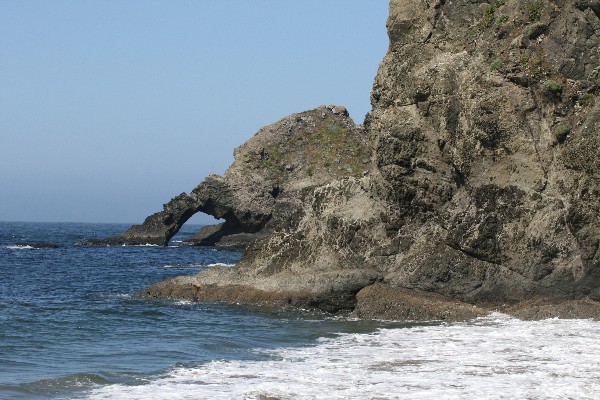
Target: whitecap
pixel 19 247
pixel 183 302
pixel 183 265
pixel 140 245
pixel 496 357
pixel 198 265
pixel 221 265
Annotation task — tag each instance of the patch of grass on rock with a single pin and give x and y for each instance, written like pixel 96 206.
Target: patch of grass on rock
pixel 561 132
pixel 552 88
pixel 534 9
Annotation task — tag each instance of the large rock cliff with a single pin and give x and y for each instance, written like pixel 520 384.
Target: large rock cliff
pixel 484 183
pixel 485 129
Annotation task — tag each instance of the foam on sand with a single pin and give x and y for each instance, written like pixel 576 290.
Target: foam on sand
pixel 495 357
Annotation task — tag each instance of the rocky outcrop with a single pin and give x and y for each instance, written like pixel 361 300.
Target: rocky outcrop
pixel 157 229
pixel 300 151
pixel 484 185
pixel 470 149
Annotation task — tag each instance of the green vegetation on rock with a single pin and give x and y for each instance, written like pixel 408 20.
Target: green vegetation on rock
pixel 318 144
pixel 587 99
pixel 272 161
pixel 490 13
pixel 561 132
pixel 496 65
pixel 502 18
pixel 534 9
pixel 552 88
pixel 332 145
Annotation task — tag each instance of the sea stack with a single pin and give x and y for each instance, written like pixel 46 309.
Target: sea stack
pixel 483 186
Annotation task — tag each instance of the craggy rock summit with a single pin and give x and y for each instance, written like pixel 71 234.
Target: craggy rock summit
pixel 484 186
pixel 283 159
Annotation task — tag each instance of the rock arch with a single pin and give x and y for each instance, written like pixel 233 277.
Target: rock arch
pixel 302 150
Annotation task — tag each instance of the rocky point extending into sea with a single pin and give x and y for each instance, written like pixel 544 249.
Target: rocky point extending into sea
pixel 472 184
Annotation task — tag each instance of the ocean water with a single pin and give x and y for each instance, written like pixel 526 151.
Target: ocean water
pixel 70 329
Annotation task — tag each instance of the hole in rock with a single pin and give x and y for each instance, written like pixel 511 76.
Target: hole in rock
pixel 192 228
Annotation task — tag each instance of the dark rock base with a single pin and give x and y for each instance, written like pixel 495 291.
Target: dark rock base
pixel 180 288
pixel 538 309
pixel 376 301
pixel 384 302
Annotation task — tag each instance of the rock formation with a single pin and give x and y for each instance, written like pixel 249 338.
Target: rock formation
pixel 484 183
pixel 296 153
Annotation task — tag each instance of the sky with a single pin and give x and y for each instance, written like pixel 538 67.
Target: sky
pixel 110 108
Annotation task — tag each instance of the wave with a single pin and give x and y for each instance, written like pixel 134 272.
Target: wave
pixel 18 247
pixel 15 392
pixel 184 265
pixel 220 265
pixel 197 265
pixel 70 384
pixel 489 358
pixel 183 302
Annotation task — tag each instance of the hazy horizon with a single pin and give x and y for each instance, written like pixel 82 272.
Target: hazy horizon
pixel 110 109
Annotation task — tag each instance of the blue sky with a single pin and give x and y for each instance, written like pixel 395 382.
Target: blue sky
pixel 110 108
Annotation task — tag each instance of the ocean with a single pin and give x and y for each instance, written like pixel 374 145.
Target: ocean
pixel 71 329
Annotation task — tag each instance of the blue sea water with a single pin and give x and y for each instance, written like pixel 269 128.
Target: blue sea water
pixel 71 329
pixel 69 323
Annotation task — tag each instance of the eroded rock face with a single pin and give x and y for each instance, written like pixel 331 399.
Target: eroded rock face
pixel 468 151
pixel 484 184
pixel 300 151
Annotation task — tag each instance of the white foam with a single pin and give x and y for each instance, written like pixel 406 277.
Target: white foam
pixel 197 265
pixel 496 357
pixel 183 266
pixel 220 265
pixel 19 247
pixel 184 302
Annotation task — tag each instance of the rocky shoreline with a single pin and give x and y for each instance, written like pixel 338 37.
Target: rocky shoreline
pixel 377 302
pixel 472 185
